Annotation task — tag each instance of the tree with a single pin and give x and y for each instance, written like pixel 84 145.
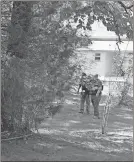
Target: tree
pixel 13 74
pixel 42 39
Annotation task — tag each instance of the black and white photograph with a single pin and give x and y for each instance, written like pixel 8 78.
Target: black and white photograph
pixel 67 80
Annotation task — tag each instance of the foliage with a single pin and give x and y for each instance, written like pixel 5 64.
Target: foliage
pixel 13 67
pixel 125 98
pixel 122 67
pixel 38 40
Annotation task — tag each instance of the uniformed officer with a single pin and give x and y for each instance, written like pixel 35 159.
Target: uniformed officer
pixel 84 94
pixel 97 88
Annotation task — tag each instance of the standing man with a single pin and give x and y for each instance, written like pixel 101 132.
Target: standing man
pixel 84 94
pixel 97 88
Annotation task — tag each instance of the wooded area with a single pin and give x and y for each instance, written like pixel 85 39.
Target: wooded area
pixel 38 40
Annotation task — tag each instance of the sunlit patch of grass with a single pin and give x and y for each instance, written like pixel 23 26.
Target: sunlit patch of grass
pixel 50 145
pixel 52 131
pixel 82 133
pixel 74 121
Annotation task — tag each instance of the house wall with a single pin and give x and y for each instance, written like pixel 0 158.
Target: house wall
pixel 108 62
pixel 98 66
pixel 102 67
pixel 91 66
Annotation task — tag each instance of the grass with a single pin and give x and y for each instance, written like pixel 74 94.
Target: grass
pixel 71 136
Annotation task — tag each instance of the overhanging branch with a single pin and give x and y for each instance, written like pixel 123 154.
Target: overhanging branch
pixel 115 24
pixel 125 7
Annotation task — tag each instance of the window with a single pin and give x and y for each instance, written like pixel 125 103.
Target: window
pixel 97 56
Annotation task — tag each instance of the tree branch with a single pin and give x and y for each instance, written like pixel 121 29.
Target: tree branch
pixel 125 7
pixel 117 43
pixel 115 24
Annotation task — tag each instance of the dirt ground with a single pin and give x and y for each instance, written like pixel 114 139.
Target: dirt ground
pixel 72 136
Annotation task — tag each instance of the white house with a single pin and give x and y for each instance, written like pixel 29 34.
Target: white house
pixel 102 50
pixel 99 56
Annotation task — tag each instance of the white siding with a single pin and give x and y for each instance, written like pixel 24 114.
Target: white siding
pixel 91 66
pixel 98 66
pixel 102 67
pixel 108 62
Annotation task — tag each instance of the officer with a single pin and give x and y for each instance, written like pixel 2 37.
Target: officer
pixel 97 88
pixel 84 94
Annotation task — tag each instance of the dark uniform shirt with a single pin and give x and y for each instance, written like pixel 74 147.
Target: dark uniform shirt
pixel 96 85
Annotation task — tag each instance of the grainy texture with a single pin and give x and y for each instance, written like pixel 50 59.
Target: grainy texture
pixel 40 69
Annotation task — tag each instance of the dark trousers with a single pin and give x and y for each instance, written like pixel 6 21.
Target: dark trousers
pixel 85 97
pixel 95 101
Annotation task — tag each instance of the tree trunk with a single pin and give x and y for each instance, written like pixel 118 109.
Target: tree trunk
pixel 17 50
pixel 20 23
